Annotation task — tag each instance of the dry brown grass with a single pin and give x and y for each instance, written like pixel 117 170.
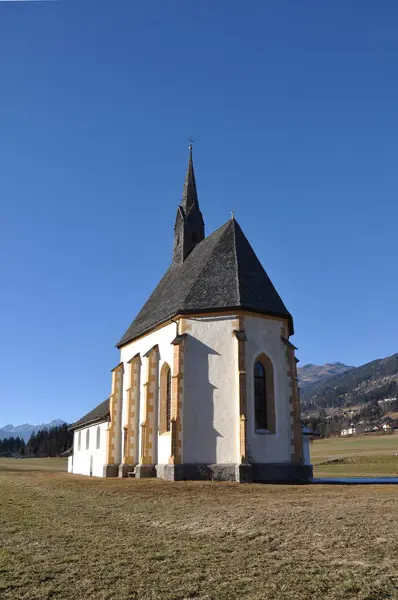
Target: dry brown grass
pixel 69 537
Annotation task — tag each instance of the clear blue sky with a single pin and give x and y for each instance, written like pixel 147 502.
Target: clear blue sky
pixel 294 109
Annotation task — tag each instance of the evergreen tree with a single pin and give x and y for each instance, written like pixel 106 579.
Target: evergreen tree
pixel 49 442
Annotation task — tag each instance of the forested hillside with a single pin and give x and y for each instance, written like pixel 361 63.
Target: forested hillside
pixel 375 380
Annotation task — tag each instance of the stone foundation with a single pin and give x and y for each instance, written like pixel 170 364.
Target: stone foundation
pixel 124 469
pixel 111 470
pixel 242 473
pixel 281 473
pixel 144 471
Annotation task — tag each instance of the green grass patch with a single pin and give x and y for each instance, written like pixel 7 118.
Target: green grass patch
pixel 356 456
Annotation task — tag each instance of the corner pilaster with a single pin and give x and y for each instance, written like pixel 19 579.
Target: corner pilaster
pixel 148 425
pixel 113 432
pixel 177 397
pixel 294 401
pixel 130 430
pixel 241 339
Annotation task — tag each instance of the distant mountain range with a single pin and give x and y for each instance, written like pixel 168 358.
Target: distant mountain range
pixel 355 386
pixel 25 431
pixel 323 387
pixel 311 373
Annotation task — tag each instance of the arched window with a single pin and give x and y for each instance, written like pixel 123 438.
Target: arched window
pixel 165 399
pixel 98 437
pixel 264 400
pixel 125 439
pixel 168 399
pixel 79 441
pixel 87 439
pixel 260 396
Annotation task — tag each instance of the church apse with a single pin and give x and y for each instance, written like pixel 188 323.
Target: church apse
pixel 209 336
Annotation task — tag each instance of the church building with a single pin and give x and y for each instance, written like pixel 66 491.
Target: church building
pixel 206 386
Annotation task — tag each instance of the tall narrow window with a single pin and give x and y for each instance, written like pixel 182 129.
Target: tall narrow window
pixel 260 396
pixel 98 437
pixel 79 441
pixel 165 399
pixel 264 395
pixel 87 439
pixel 168 399
pixel 125 438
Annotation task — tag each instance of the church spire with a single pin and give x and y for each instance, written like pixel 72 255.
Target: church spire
pixel 189 193
pixel 189 228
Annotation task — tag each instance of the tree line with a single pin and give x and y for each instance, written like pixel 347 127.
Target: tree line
pixel 45 442
pixel 369 415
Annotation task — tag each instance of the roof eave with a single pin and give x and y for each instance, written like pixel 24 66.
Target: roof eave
pixel 124 342
pixel 76 426
pixel 192 311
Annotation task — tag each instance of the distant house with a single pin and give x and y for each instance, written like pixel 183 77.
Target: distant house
pixel 353 430
pixel 348 431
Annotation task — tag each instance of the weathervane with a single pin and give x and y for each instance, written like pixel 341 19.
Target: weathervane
pixel 190 143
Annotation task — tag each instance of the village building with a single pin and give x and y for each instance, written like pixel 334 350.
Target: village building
pixel 206 387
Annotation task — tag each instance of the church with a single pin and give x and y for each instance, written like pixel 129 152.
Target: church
pixel 206 386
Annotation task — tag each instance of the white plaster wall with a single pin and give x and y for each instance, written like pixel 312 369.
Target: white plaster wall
pixel 163 338
pixel 210 413
pixel 164 448
pixel 210 407
pixel 82 457
pixel 264 335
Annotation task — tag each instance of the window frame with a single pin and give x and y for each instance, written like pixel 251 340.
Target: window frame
pixel 268 395
pixel 260 398
pixel 168 399
pixel 165 399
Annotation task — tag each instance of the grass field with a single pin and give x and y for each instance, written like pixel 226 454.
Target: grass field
pixel 356 456
pixel 74 538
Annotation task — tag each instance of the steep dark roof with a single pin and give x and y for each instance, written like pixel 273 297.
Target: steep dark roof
pixel 222 272
pixel 98 414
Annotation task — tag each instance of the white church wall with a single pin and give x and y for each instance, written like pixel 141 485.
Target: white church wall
pixel 163 338
pixel 89 460
pixel 210 414
pixel 306 449
pixel 210 408
pixel 264 335
pixel 164 448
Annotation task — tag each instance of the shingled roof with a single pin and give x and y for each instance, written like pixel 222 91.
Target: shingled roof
pixel 221 273
pixel 98 414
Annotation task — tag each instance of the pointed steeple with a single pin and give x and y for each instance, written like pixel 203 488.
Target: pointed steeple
pixel 189 193
pixel 189 228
